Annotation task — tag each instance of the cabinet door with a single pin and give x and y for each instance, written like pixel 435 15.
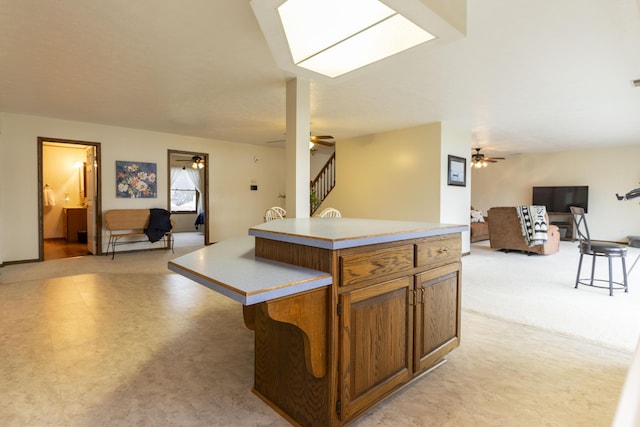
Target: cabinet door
pixel 375 340
pixel 65 223
pixel 75 220
pixel 437 330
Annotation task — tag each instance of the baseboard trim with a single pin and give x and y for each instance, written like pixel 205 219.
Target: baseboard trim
pixel 23 261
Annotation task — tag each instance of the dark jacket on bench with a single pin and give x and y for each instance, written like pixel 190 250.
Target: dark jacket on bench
pixel 159 224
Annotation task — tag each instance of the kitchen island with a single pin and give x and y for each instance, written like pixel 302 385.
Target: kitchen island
pixel 345 311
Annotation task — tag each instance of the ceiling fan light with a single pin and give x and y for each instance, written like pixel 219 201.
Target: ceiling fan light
pixel 198 162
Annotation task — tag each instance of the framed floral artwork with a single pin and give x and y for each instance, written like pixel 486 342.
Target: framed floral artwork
pixel 136 180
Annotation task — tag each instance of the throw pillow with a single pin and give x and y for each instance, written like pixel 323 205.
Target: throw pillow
pixel 476 216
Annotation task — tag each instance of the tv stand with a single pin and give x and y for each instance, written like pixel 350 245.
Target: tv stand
pixel 565 223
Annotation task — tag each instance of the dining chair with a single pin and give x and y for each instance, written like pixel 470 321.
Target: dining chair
pixel 597 248
pixel 330 213
pixel 271 214
pixel 281 211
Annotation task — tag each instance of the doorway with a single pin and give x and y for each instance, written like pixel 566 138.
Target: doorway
pixel 188 196
pixel 69 201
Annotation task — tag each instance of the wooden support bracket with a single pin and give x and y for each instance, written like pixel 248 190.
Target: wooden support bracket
pixel 308 312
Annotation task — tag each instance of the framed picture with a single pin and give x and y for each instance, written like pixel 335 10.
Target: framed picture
pixel 457 171
pixel 136 180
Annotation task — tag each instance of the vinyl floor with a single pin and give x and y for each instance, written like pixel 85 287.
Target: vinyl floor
pixel 90 341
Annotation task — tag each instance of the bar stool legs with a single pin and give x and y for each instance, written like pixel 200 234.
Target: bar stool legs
pixel 596 248
pixel 622 285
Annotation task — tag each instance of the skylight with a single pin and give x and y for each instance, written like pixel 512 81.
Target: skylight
pixel 335 37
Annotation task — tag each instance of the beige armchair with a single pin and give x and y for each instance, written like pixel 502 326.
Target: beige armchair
pixel 505 232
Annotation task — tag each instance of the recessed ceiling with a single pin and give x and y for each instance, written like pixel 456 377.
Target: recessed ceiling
pixel 529 76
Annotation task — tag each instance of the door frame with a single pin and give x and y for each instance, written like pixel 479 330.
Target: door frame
pixel 205 189
pixel 97 205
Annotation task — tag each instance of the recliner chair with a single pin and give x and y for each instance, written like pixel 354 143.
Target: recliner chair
pixel 505 233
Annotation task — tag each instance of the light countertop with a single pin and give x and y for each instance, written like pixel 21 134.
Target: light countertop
pixel 231 268
pixel 340 233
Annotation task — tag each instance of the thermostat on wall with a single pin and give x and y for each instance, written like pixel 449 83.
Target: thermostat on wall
pixel 254 187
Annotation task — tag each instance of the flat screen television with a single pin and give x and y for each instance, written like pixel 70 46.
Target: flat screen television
pixel 560 199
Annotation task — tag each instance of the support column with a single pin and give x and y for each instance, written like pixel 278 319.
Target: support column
pixel 297 147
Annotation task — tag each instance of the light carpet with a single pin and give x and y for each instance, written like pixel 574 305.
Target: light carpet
pixel 538 291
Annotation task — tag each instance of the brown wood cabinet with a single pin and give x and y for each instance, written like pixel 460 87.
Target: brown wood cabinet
pixel 73 220
pixel 437 318
pixel 376 340
pixel 392 314
pixel 394 330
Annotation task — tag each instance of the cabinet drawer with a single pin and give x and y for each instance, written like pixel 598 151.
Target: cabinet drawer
pixel 363 266
pixel 438 250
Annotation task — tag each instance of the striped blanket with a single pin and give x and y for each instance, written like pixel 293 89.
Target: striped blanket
pixel 534 224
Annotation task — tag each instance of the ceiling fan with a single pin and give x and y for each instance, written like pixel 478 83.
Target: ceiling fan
pixel 479 160
pixel 322 140
pixel 197 162
pixel 326 140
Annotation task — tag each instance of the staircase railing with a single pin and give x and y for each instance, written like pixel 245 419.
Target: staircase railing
pixel 322 185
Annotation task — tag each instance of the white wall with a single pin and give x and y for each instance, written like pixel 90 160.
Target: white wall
pixel 605 170
pixel 402 175
pixel 454 200
pixel 233 207
pixel 389 175
pixel 185 222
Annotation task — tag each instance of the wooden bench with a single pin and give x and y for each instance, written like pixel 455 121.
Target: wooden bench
pixel 127 226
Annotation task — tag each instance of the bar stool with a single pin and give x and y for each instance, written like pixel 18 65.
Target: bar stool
pixel 596 248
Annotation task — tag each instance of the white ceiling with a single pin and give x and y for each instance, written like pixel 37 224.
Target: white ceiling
pixel 530 76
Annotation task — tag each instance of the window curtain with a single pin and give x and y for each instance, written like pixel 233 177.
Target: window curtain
pixel 194 175
pixel 175 171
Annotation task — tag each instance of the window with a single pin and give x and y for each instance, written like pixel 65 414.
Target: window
pixel 184 196
pixel 183 200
